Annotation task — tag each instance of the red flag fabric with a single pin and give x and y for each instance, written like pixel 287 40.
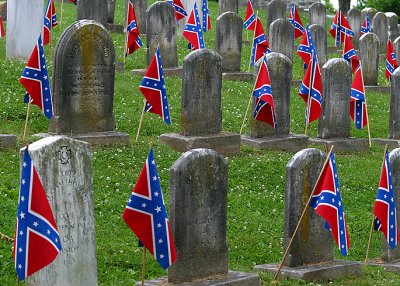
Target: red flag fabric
pixel 193 31
pixel 358 104
pixel 250 20
pixel 350 54
pixel 295 20
pixel 133 41
pixel 2 32
pixel 260 43
pixel 391 60
pixel 50 21
pixel 339 28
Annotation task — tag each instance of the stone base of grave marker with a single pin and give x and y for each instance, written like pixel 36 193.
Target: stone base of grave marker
pixel 376 88
pixel 168 72
pixel 327 271
pixel 237 76
pixel 390 142
pixel 334 50
pixel 8 141
pixel 96 138
pixel 116 28
pixel 343 144
pixel 224 143
pixel 388 266
pixel 287 142
pixel 233 278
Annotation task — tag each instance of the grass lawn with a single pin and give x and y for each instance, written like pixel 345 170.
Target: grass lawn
pixel 256 178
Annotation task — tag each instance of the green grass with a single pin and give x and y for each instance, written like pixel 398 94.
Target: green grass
pixel 256 178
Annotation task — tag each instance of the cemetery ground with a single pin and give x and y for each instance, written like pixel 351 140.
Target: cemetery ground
pixel 256 177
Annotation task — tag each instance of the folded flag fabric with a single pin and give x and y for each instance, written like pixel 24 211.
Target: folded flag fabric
pixel 2 32
pixel 260 43
pixel 193 32
pixel 358 103
pixel 366 25
pixel 180 11
pixel 391 60
pixel 133 41
pixel 250 20
pixel 206 16
pixel 50 21
pixel 350 54
pixel 339 28
pixel 295 20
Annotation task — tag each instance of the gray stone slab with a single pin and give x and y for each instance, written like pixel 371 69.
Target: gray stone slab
pixel 377 88
pixel 234 278
pixel 343 144
pixel 318 34
pixel 329 271
pixel 140 7
pixel 8 141
pixel 380 28
pixel 237 76
pixel 110 11
pixel 115 28
pixel 65 168
pixel 334 50
pixel 385 141
pixel 168 72
pixel 369 57
pixel 394 113
pixel 288 142
pixel 96 138
pixel 317 14
pixel 228 6
pixel 224 143
pixel 93 10
pixel 387 266
pixel 276 9
pixel 354 19
pixel 228 40
pixel 281 38
pixel 161 32
pixel 393 28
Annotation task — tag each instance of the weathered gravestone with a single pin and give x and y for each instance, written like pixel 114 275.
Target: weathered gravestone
pixel 201 115
pixel 64 166
pixel 83 85
pixel 276 9
pixel 110 11
pixel 93 10
pixel 8 141
pixel 369 57
pixel 262 134
pixel 228 6
pixel 380 28
pixel 354 19
pixel 311 255
pixel 24 25
pixel 281 37
pixel 317 14
pixel 394 114
pixel 334 123
pixel 344 5
pixel 228 40
pixel 318 34
pixel 392 25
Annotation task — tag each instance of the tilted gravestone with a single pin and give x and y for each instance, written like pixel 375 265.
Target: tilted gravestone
pixel 228 6
pixel 161 33
pixel 281 37
pixel 24 25
pixel 394 113
pixel 276 9
pixel 93 10
pixel 317 14
pixel 262 134
pixel 201 114
pixel 83 85
pixel 369 58
pixel 380 28
pixel 318 34
pixel 64 166
pixel 354 19
pixel 392 26
pixel 228 40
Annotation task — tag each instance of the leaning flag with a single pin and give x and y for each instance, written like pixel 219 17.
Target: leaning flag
pixel 339 28
pixel 146 216
pixel 311 90
pixel 327 202
pixel 193 32
pixel 358 104
pixel 366 25
pixel 2 33
pixel 295 20
pixel 385 206
pixel 153 89
pixel 50 21
pixel 260 43
pixel 391 61
pixel 306 48
pixel 206 16
pixel 264 104
pixel 36 80
pixel 350 54
pixel 37 241
pixel 180 12
pixel 133 41
pixel 250 20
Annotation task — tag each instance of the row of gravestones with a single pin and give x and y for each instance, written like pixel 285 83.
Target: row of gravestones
pixel 198 225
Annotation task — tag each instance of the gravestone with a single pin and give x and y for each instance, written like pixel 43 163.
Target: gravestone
pixel 396 46
pixel 110 11
pixel 392 25
pixel 93 10
pixel 334 122
pixel 318 34
pixel 317 14
pixel 262 134
pixel 24 25
pixel 280 37
pixel 369 57
pixel 380 28
pixel 344 5
pixel 276 9
pixel 394 113
pixel 228 6
pixel 354 19
pixel 371 13
pixel 201 114
pixel 161 32
pixel 311 255
pixel 83 85
pixel 257 4
pixel 8 141
pixel 64 166
pixel 228 40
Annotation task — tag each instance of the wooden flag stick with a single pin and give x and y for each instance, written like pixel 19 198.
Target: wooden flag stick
pixel 24 139
pixel 301 217
pixel 61 13
pixel 143 264
pixel 141 120
pixel 17 281
pixel 126 34
pixel 373 216
pixel 5 237
pixel 50 33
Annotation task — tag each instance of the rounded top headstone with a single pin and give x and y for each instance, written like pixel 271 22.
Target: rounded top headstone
pixel 369 37
pixel 396 72
pixel 189 156
pixel 203 54
pixel 338 63
pixel 298 159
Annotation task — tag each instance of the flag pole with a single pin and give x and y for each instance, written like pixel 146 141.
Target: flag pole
pixel 252 45
pixel 50 33
pixel 5 237
pixel 373 217
pixel 62 6
pixel 301 217
pixel 24 139
pixel 126 34
pixel 141 120
pixel 143 264
pixel 17 281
